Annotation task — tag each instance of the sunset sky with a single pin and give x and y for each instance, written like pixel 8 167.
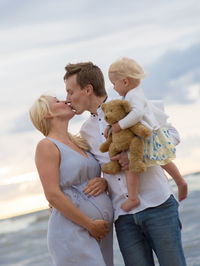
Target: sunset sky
pixel 38 38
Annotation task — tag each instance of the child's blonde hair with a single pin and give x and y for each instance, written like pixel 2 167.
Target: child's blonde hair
pixel 126 67
pixel 38 112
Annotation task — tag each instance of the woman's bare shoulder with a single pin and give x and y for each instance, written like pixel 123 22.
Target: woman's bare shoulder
pixel 45 146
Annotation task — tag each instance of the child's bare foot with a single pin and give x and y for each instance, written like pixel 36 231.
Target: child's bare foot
pixel 130 204
pixel 182 190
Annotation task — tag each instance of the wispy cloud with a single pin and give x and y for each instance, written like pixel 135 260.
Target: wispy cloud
pixel 175 76
pixel 38 38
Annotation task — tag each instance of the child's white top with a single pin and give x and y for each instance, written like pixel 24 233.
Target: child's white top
pixel 144 111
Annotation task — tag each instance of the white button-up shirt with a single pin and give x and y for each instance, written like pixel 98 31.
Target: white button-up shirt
pixel 154 188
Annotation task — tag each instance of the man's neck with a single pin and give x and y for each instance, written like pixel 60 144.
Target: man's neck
pixel 96 102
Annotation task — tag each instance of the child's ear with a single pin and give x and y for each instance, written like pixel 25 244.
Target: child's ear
pixel 126 106
pixel 125 81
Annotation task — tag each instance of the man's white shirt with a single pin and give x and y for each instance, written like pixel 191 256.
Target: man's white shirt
pixel 154 188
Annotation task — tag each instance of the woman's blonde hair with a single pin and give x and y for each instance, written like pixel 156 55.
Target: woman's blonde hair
pixel 126 67
pixel 38 112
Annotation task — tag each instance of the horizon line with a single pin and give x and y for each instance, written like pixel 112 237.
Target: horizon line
pixel 23 213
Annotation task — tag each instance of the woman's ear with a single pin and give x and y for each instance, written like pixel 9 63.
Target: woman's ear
pixel 48 116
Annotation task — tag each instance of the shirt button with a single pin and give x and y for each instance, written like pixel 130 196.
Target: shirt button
pixel 99 119
pixel 119 179
pixel 102 133
pixel 127 195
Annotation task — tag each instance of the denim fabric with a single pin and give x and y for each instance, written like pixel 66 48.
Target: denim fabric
pixel 157 229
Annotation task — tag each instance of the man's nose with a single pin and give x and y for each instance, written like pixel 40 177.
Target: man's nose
pixel 67 99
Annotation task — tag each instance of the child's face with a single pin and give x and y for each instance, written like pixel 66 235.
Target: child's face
pixel 119 85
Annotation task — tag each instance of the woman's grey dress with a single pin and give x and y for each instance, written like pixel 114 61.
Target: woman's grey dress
pixel 69 243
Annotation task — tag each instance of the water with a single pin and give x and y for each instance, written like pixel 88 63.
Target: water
pixel 23 238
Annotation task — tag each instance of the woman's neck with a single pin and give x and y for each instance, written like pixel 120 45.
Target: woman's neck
pixel 59 131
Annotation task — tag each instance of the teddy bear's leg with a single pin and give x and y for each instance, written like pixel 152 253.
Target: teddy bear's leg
pixel 136 164
pixel 112 167
pixel 140 130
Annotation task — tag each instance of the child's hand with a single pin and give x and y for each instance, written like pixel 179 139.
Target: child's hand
pixel 116 128
pixel 106 131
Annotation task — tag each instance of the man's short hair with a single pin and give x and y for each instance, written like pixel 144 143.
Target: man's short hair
pixel 87 73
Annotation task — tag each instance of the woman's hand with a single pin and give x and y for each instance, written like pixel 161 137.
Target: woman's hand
pixel 122 159
pixel 98 229
pixel 96 186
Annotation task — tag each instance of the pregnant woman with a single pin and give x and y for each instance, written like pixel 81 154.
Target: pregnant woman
pixel 78 222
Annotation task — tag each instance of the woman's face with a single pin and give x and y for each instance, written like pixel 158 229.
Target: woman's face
pixel 60 108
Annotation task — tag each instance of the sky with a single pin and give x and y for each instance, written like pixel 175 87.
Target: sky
pixel 38 38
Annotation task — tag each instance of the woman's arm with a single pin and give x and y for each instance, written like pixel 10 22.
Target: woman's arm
pixel 47 160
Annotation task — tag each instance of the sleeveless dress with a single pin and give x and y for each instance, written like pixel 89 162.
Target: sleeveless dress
pixel 69 243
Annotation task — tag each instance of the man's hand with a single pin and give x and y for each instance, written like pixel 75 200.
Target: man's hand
pixel 98 229
pixel 96 186
pixel 116 128
pixel 122 159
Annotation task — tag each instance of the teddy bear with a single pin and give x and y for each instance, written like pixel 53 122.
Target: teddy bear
pixel 125 139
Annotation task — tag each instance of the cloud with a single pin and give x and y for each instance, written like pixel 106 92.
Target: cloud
pixel 16 190
pixel 22 124
pixel 38 38
pixel 175 76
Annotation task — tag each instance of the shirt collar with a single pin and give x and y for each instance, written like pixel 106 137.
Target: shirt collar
pixel 99 110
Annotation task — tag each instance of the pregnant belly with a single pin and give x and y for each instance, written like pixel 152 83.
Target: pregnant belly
pixel 96 208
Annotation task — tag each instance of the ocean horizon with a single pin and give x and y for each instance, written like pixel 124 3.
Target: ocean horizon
pixel 23 238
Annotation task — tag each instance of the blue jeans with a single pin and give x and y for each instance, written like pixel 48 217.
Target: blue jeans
pixel 155 229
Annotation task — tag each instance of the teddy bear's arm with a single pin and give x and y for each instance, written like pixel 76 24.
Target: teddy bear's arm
pixel 104 147
pixel 140 130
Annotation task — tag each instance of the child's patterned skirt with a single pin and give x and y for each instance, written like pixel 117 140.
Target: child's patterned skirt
pixel 158 148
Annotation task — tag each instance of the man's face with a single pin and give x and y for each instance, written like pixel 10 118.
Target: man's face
pixel 76 96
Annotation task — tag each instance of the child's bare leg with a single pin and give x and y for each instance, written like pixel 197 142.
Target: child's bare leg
pixel 132 186
pixel 173 171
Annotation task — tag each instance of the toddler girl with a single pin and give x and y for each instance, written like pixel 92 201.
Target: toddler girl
pixel 125 74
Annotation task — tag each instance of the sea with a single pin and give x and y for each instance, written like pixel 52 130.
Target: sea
pixel 23 238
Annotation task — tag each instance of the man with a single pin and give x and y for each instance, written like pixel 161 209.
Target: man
pixel 154 224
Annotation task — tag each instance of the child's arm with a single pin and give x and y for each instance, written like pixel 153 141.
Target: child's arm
pixel 116 127
pixel 135 115
pixel 106 131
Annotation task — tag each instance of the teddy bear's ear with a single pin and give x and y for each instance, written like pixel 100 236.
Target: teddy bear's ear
pixel 103 105
pixel 126 106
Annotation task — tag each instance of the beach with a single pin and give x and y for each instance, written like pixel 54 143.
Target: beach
pixel 23 238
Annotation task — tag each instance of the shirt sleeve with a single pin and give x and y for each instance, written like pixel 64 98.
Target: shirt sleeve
pixel 137 111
